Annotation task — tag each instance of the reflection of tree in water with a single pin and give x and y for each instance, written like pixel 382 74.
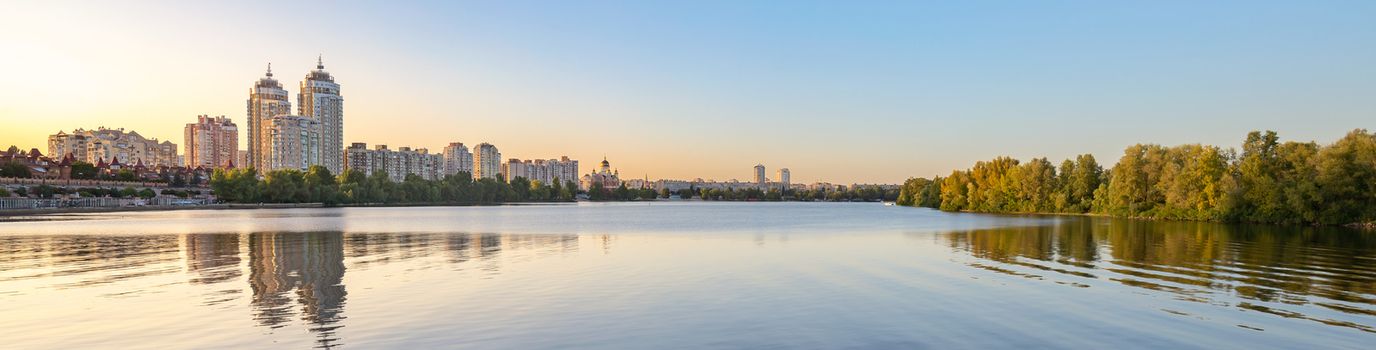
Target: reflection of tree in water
pixel 308 266
pixel 1333 268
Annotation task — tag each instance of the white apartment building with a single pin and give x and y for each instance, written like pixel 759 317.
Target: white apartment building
pixel 487 161
pixel 396 163
pixel 457 159
pixel 546 171
pixel 294 143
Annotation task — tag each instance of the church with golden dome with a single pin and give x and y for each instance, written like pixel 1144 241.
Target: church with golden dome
pixel 604 175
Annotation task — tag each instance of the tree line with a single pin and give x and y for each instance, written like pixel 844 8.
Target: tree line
pixel 597 192
pixel 838 194
pixel 1269 181
pixel 318 185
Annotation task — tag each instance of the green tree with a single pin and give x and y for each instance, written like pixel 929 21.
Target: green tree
pixel 1297 176
pixel 955 191
pixel 235 185
pixel 285 186
pixel 125 175
pixel 570 190
pixel 1347 179
pixel 520 186
pixel 321 185
pixel 84 171
pixel 596 192
pixel 381 189
pixel 1260 194
pixel 911 190
pixel 557 191
pixel 14 169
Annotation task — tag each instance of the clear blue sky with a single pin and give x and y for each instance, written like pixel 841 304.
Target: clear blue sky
pixel 836 91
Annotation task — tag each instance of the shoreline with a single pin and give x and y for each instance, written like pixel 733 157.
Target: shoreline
pixel 11 215
pixel 24 214
pixel 1369 226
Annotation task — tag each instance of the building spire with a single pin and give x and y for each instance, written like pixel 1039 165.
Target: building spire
pixel 320 62
pixel 269 69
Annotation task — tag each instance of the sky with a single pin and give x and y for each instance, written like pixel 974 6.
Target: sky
pixel 836 91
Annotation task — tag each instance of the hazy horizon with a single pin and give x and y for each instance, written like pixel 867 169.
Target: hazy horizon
pixel 836 92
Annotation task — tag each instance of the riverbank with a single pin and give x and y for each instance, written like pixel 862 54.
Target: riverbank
pixel 1360 226
pixel 32 214
pixel 39 213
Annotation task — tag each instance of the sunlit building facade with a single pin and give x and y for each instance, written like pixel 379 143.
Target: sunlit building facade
pixel 605 176
pixel 319 99
pixel 396 163
pixel 293 142
pixel 211 142
pixel 266 100
pixel 457 159
pixel 102 144
pixel 487 161
pixel 546 171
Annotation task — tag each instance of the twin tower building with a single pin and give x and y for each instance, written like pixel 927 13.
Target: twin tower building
pixel 314 135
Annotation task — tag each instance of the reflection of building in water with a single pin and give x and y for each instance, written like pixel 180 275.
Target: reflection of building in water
pixel 309 266
pixel 214 257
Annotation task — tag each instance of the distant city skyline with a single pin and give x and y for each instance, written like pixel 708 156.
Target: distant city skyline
pixel 850 93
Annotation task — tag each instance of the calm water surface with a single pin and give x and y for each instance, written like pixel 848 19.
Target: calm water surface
pixel 677 275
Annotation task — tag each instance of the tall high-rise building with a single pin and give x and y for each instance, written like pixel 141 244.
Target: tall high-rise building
pixel 760 180
pixel 294 143
pixel 266 100
pixel 211 142
pixel 457 159
pixel 319 99
pixel 487 161
pixel 783 178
